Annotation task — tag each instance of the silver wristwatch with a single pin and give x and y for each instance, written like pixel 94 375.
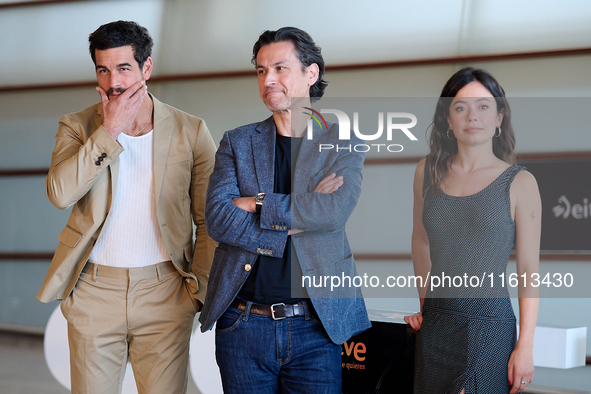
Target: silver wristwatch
pixel 258 200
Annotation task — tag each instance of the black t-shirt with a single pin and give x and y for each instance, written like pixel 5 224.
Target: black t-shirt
pixel 270 279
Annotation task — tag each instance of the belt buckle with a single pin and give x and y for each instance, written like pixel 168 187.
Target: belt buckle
pixel 273 311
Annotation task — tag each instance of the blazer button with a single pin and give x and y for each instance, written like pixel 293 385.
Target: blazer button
pixel 247 267
pixel 104 155
pixel 98 163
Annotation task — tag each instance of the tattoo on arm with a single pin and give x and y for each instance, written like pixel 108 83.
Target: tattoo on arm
pixel 532 215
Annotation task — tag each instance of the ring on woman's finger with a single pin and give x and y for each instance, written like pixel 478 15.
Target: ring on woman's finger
pixel 524 383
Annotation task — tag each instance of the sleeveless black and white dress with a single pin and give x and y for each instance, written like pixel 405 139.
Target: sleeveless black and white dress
pixel 468 333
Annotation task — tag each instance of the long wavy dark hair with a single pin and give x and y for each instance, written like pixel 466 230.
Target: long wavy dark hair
pixel 443 149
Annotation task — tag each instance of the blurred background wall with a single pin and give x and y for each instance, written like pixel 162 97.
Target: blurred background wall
pixel 382 48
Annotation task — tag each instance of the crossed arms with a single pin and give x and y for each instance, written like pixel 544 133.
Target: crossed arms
pixel 325 205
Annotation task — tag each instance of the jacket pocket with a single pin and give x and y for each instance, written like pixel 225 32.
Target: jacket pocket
pixel 69 237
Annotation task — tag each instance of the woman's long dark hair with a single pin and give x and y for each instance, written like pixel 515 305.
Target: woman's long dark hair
pixel 442 149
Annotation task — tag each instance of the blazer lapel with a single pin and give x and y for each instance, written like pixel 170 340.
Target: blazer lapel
pixel 163 131
pixel 263 151
pixel 306 158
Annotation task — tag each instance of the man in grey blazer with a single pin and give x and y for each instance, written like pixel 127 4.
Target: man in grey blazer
pixel 127 267
pixel 278 207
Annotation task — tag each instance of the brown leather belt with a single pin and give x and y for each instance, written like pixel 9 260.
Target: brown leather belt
pixel 275 311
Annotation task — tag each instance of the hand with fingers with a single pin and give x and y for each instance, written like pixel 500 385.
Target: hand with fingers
pixel 245 203
pixel 415 320
pixel 330 184
pixel 520 369
pixel 119 113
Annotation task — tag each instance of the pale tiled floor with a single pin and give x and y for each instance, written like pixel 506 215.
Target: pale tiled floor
pixel 22 366
pixel 23 369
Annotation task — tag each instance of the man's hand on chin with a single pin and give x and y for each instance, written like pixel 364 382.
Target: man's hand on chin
pixel 119 113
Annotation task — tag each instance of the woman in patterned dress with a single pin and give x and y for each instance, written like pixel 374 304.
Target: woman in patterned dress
pixel 472 205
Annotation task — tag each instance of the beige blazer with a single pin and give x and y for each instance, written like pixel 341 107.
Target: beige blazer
pixel 83 175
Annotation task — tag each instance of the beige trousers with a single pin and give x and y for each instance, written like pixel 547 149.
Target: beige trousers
pixel 142 314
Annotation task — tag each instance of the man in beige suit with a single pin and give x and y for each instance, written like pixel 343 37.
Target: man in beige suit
pixel 134 171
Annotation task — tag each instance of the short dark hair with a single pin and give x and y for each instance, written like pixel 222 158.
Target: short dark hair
pixel 307 51
pixel 121 33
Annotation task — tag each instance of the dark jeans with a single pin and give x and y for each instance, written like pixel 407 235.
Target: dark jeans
pixel 257 354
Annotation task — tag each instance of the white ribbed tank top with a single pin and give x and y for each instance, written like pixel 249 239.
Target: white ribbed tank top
pixel 132 236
